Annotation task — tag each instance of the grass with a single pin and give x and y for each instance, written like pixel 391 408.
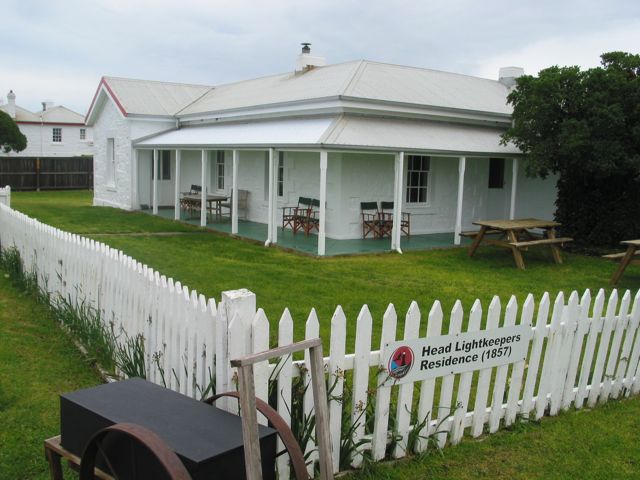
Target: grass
pixel 597 444
pixel 38 364
pixel 40 361
pixel 212 263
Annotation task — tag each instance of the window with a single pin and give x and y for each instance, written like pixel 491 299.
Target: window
pixel 496 172
pixel 164 165
pixel 83 134
pixel 57 135
pixel 111 162
pixel 417 178
pixel 280 174
pixel 220 170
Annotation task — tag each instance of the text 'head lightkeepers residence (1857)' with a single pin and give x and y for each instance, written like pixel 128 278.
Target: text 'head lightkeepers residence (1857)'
pixel 362 131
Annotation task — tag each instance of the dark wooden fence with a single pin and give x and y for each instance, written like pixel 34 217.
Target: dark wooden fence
pixel 51 173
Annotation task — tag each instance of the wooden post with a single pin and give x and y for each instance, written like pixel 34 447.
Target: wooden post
pixel 270 200
pixel 323 203
pixel 155 182
pixel 274 194
pixel 458 227
pixel 203 182
pixel 514 187
pixel 252 459
pixel 396 231
pixel 37 174
pixel 322 412
pixel 176 199
pixel 234 194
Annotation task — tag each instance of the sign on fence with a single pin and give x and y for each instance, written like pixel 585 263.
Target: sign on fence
pixel 414 360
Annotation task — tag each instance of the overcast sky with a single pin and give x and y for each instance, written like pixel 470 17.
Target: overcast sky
pixel 58 50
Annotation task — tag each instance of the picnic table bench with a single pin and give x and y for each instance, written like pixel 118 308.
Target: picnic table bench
pixel 517 236
pixel 626 258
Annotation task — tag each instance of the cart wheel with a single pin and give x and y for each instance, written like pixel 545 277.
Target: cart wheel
pixel 129 451
pixel 286 435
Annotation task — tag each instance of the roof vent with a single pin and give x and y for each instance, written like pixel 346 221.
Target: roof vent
pixel 47 104
pixel 306 61
pixel 508 75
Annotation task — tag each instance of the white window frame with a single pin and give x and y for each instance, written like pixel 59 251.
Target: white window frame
pixel 423 185
pixel 83 134
pixel 111 162
pixel 280 177
pixel 56 138
pixel 164 158
pixel 220 170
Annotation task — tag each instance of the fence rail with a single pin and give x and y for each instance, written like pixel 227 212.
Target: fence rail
pixel 583 350
pixel 47 173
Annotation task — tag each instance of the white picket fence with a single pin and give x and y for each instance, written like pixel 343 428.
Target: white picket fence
pixel 583 350
pixel 5 196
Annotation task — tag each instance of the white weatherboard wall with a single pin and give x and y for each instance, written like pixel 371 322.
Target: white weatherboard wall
pixel 40 141
pixel 583 351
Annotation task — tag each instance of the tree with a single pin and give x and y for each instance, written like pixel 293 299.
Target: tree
pixel 11 138
pixel 584 126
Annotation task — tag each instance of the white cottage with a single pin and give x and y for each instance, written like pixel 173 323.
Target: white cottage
pixel 344 134
pixel 54 131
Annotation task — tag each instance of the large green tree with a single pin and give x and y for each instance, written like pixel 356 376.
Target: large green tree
pixel 584 126
pixel 11 138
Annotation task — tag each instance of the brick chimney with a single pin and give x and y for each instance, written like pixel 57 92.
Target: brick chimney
pixel 306 61
pixel 11 104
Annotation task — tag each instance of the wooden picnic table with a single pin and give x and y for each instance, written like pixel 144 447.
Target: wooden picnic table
pixel 517 235
pixel 192 201
pixel 625 258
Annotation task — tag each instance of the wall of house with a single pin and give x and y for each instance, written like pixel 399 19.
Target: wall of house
pixel 129 182
pixel 40 141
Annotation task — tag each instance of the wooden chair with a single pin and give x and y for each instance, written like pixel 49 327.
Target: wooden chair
pixel 292 217
pixel 371 220
pixel 189 204
pixel 243 204
pixel 311 220
pixel 386 214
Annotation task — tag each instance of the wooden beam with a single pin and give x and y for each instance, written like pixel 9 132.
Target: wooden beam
pixel 155 182
pixel 203 182
pixel 234 194
pixel 323 203
pixel 252 461
pixel 176 197
pixel 514 188
pixel 276 352
pixel 458 226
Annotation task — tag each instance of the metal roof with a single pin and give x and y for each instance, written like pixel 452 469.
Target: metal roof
pixel 279 132
pixel 54 115
pixel 22 114
pixel 147 97
pixel 341 132
pixel 361 79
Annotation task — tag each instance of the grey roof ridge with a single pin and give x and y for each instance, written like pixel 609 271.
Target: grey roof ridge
pixel 177 112
pixel 40 112
pixel 349 84
pixel 336 124
pixel 141 80
pixel 413 67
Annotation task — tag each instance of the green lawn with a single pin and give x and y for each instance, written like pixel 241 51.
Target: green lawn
pixel 38 362
pixel 212 263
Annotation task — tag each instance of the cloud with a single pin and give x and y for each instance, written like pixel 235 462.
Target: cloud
pixel 60 50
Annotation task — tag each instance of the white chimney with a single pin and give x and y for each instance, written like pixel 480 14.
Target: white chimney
pixel 508 75
pixel 11 104
pixel 47 104
pixel 306 61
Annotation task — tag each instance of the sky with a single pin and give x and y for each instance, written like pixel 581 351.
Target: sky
pixel 59 50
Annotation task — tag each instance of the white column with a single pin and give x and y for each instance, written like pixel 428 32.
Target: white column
pixel 203 183
pixel 458 229
pixel 234 194
pixel 155 181
pixel 323 203
pixel 176 198
pixel 135 194
pixel 270 198
pixel 274 194
pixel 396 231
pixel 514 189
